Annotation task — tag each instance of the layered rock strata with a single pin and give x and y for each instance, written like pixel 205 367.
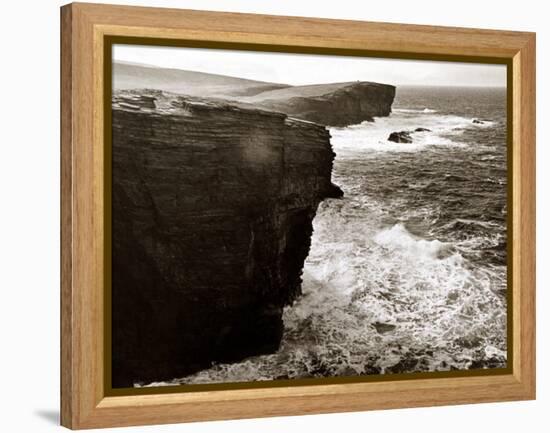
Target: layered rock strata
pixel 212 209
pixel 334 104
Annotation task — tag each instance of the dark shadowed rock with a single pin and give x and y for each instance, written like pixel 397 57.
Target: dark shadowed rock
pixel 400 137
pixel 478 121
pixel 335 191
pixel 382 328
pixel 422 130
pixel 212 209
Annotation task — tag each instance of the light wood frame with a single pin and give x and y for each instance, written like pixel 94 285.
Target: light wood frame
pixel 84 403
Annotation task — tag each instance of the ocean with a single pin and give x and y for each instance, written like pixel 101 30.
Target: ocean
pixel 406 273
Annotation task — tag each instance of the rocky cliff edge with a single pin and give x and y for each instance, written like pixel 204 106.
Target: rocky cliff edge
pixel 212 209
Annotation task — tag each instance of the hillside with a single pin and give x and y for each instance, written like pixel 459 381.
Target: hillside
pixel 330 104
pixel 307 91
pixel 137 76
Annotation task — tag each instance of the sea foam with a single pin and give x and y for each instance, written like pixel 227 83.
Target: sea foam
pixel 399 238
pixel 383 291
pixel 443 130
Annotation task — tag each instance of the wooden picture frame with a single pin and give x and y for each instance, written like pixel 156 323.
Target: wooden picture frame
pixel 85 28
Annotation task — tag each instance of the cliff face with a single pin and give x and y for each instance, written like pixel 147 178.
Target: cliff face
pixel 335 104
pixel 212 209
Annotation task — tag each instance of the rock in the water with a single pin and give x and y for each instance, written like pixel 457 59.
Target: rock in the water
pixel 478 121
pixel 382 328
pixel 422 130
pixel 212 209
pixel 400 137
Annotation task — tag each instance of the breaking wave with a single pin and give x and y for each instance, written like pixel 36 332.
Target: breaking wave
pixel 399 240
pixel 437 130
pixel 412 110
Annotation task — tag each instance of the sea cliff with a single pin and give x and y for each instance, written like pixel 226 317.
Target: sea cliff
pixel 212 209
pixel 334 104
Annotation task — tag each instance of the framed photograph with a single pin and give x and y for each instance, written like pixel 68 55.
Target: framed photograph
pixel 265 215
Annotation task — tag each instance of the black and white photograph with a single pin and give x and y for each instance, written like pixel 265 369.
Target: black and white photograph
pixel 284 216
pixel 275 216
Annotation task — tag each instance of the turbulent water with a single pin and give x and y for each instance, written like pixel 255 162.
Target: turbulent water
pixel 407 272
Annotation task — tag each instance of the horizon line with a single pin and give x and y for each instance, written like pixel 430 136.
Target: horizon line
pixel 149 65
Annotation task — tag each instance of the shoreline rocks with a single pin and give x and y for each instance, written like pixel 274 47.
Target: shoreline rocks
pixel 400 137
pixel 405 136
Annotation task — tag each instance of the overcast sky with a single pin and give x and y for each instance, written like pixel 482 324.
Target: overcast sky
pixel 299 69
